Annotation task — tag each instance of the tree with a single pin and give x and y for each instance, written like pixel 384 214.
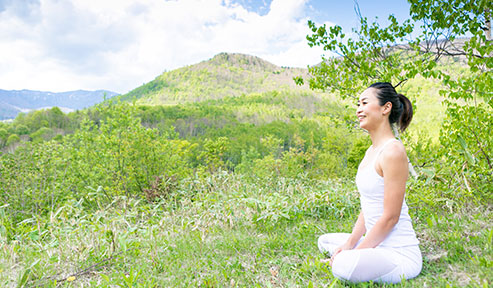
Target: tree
pixel 458 28
pixel 3 136
pixel 42 134
pixel 22 129
pixel 56 118
pixel 13 138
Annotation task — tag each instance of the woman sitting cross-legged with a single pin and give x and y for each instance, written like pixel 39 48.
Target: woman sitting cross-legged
pixel 382 246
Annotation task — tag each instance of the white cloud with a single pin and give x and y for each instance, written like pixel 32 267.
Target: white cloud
pixel 120 44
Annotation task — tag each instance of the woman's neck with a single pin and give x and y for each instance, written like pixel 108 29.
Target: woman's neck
pixel 381 134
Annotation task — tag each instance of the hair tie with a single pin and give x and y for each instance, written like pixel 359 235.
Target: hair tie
pixel 395 130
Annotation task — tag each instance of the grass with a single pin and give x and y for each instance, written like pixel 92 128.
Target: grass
pixel 229 231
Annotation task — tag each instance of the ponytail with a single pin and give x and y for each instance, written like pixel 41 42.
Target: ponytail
pixel 402 110
pixel 407 112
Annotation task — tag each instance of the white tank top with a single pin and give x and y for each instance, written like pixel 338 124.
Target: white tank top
pixel 371 189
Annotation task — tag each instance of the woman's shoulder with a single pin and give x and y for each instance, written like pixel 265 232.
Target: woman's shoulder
pixel 394 152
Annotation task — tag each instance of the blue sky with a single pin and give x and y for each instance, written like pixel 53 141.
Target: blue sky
pixel 61 45
pixel 340 12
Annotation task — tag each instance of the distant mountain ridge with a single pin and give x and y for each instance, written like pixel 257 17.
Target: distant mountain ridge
pixel 224 75
pixel 12 102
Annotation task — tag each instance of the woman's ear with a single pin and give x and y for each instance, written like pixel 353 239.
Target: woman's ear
pixel 387 108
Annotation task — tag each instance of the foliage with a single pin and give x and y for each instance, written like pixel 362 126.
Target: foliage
pixel 466 135
pixel 118 156
pixel 122 156
pixel 370 56
pixel 225 230
pixel 225 75
pixel 375 53
pixel 467 146
pixel 13 138
pixel 233 190
pixel 39 125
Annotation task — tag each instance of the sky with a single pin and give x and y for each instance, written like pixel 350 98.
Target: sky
pixel 118 45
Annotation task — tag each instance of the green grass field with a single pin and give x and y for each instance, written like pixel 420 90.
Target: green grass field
pixel 231 231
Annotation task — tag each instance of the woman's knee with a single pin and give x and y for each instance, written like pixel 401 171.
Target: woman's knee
pixel 329 242
pixel 344 264
pixel 322 244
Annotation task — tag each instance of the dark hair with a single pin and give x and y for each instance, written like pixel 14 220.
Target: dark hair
pixel 402 110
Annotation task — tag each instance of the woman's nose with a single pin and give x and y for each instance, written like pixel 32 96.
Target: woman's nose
pixel 358 110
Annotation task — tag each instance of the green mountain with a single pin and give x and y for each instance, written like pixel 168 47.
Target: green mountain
pixel 258 91
pixel 224 75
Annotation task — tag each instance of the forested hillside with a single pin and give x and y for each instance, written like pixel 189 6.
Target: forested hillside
pixel 229 90
pixel 224 173
pixel 224 75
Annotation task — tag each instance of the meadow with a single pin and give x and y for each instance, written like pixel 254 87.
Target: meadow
pixel 122 200
pixel 228 231
pixel 230 183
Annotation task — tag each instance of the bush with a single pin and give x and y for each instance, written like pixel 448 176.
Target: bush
pixel 13 138
pixel 117 157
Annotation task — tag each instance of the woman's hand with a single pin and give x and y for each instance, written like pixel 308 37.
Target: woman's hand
pixel 345 246
pixel 358 231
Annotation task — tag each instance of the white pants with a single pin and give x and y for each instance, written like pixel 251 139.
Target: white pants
pixel 380 264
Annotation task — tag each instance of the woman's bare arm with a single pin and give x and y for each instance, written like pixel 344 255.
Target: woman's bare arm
pixel 358 232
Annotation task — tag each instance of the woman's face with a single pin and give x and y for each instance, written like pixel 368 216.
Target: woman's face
pixel 370 114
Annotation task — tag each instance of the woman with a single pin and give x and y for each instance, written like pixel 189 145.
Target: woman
pixel 382 246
